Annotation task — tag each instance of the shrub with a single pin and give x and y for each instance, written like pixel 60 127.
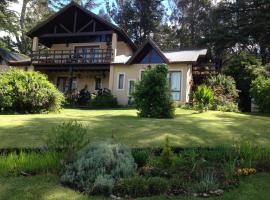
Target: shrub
pixel 103 185
pixel 30 163
pixel 227 106
pixel 203 97
pixel 28 92
pixel 136 186
pixel 106 161
pixel 157 185
pixel 152 96
pixel 68 136
pixel 167 156
pixel 207 182
pixel 260 91
pixel 229 168
pixel 141 157
pixel 104 101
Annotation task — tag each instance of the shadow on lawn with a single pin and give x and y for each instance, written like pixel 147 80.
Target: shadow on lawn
pixel 184 130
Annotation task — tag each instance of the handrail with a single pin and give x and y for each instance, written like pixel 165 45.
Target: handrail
pixel 87 56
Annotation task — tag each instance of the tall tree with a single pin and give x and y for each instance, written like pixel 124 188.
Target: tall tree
pixel 58 4
pixel 189 19
pixel 139 18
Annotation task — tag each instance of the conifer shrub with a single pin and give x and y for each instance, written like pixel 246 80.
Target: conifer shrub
pixel 152 96
pixel 167 155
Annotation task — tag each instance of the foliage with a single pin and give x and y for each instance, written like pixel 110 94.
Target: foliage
pixel 139 186
pixel 152 95
pixel 203 97
pixel 167 155
pixel 69 137
pixel 229 167
pixel 30 163
pixel 96 163
pixel 28 92
pixel 225 93
pixel 104 101
pixel 134 186
pixel 139 18
pixel 244 68
pixel 141 157
pixel 228 107
pixel 207 182
pixel 260 91
pixel 103 185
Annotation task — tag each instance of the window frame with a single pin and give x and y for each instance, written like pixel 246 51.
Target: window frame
pixel 181 83
pixel 129 85
pixel 118 78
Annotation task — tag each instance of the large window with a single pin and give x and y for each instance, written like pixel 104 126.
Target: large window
pixel 175 84
pixel 121 80
pixel 131 86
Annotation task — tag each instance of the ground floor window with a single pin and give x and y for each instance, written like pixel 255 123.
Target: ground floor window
pixel 175 84
pixel 131 86
pixel 121 80
pixel 63 84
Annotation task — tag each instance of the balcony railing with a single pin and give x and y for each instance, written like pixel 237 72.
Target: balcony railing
pixel 89 56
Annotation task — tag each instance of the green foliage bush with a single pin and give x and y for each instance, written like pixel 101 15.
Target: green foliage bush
pixel 28 92
pixel 141 157
pixel 97 163
pixel 139 186
pixel 167 155
pixel 104 101
pixel 152 96
pixel 203 97
pixel 69 137
pixel 103 185
pixel 244 68
pixel 30 163
pixel 225 93
pixel 207 182
pixel 260 91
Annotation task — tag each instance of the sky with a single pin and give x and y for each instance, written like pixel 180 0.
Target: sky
pixel 17 7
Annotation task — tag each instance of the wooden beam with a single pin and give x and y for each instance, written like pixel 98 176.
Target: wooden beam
pixel 63 27
pixel 94 26
pixel 85 26
pixel 75 21
pixel 60 35
pixel 55 29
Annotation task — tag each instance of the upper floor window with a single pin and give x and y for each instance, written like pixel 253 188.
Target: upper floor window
pixel 121 80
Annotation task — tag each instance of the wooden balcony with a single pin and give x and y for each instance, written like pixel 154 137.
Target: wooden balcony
pixel 70 57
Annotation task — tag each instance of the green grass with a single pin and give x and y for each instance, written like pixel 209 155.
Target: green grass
pixel 188 128
pixel 47 187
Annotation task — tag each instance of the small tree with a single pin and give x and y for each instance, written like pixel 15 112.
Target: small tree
pixel 260 91
pixel 152 95
pixel 203 97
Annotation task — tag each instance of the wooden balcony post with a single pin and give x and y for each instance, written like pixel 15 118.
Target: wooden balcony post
pixel 114 46
pixel 35 44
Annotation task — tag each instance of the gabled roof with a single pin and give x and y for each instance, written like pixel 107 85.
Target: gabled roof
pixel 35 31
pixel 149 43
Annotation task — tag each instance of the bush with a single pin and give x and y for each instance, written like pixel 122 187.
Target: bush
pixel 152 96
pixel 28 92
pixel 103 185
pixel 207 182
pixel 69 137
pixel 139 186
pixel 203 97
pixel 30 163
pixel 167 156
pixel 141 157
pixel 157 185
pixel 225 93
pixel 260 91
pixel 104 101
pixel 96 163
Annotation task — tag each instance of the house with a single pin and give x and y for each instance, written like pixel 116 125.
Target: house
pixel 82 49
pixel 8 59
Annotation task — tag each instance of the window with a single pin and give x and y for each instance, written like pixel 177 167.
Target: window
pixel 142 73
pixel 121 80
pixel 131 86
pixel 175 85
pixel 98 84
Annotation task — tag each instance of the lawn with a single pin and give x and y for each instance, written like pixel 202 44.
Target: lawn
pixel 188 129
pixel 47 187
